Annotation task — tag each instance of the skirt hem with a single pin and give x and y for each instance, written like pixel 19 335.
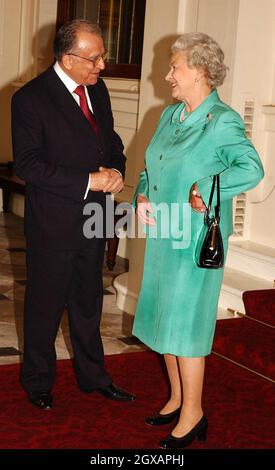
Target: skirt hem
pixel 172 351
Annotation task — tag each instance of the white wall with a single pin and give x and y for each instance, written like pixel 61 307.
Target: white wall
pixel 26 32
pixel 9 52
pixel 254 77
pixel 219 19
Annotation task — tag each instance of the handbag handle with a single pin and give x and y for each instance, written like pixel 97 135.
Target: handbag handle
pixel 216 178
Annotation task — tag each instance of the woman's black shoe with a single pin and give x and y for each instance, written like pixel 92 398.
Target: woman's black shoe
pixel 158 418
pixel 199 431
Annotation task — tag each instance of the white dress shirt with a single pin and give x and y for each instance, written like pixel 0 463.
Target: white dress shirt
pixel 71 85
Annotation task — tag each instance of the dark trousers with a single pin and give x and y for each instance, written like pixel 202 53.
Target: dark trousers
pixel 56 279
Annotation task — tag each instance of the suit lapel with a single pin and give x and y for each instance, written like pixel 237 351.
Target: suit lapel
pixel 98 111
pixel 94 102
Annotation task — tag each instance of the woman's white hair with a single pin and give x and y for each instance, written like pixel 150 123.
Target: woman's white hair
pixel 205 53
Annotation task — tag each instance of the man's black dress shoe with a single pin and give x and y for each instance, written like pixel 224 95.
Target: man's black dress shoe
pixel 114 393
pixel 42 399
pixel 199 431
pixel 159 419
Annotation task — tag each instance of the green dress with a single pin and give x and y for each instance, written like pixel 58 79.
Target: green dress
pixel 177 305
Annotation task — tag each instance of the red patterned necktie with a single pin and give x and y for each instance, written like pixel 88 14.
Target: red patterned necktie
pixel 80 91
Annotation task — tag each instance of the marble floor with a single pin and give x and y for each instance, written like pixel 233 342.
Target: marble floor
pixel 12 288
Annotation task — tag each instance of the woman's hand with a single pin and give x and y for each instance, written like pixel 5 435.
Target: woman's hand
pixel 196 200
pixel 143 207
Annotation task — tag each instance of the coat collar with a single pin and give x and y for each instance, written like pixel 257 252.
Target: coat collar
pixel 199 115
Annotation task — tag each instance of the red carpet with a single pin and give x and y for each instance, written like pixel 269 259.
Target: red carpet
pixel 260 304
pixel 250 342
pixel 238 404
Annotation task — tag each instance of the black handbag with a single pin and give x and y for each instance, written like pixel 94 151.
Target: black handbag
pixel 209 252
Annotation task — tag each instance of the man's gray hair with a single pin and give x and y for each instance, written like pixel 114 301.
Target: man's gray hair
pixel 203 52
pixel 66 37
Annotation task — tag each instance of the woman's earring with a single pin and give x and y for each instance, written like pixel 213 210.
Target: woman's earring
pixel 196 80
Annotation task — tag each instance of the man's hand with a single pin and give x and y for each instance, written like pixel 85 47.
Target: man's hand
pixel 143 207
pixel 106 180
pixel 196 200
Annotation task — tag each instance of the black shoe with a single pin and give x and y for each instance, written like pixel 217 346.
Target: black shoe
pixel 199 431
pixel 159 418
pixel 41 398
pixel 114 393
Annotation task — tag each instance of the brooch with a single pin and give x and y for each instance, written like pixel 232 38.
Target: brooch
pixel 209 117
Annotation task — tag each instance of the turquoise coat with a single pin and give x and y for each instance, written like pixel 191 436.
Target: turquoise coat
pixel 177 306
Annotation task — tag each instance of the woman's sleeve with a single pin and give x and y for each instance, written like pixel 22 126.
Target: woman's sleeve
pixel 142 187
pixel 243 167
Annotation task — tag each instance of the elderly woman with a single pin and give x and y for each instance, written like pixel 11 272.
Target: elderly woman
pixel 196 138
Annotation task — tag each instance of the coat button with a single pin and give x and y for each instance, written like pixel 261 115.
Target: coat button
pixel 177 131
pixel 160 157
pixel 155 188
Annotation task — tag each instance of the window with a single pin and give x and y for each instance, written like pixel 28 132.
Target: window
pixel 122 24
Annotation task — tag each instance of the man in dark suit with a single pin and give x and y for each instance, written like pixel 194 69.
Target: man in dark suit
pixel 67 151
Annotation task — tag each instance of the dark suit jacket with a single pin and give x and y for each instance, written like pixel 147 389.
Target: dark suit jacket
pixel 54 151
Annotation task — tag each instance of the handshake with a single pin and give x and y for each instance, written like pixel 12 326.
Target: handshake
pixel 107 180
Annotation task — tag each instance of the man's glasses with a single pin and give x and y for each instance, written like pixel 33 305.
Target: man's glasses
pixel 94 60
